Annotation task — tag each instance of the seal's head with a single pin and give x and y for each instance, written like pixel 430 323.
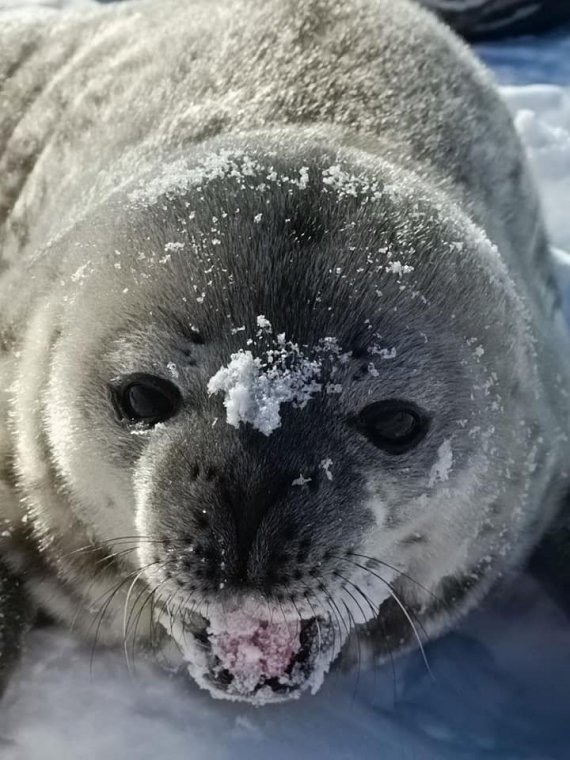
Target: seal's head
pixel 305 382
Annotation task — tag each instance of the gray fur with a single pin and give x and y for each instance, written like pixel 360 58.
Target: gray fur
pixel 108 157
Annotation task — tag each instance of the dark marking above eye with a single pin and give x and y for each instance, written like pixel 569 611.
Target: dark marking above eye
pixel 360 373
pixel 201 521
pixel 359 352
pixel 290 530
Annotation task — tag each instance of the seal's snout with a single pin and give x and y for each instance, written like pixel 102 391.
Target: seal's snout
pixel 248 532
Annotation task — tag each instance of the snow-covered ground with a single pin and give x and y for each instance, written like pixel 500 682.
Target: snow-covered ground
pixel 500 685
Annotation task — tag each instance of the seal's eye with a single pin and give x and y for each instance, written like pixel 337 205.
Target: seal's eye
pixel 394 426
pixel 146 398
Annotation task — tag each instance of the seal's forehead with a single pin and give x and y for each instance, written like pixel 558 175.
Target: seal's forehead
pixel 314 240
pixel 320 244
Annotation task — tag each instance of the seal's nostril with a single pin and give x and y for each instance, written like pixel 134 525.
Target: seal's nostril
pixel 195 471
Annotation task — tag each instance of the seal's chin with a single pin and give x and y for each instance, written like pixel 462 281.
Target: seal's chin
pixel 241 656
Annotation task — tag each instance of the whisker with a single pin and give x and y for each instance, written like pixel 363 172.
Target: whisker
pixel 103 611
pixel 402 573
pixel 358 652
pixel 396 598
pixel 125 611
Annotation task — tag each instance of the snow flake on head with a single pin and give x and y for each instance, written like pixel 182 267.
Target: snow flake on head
pixel 396 267
pixel 301 480
pixel 254 387
pixel 263 323
pixel 173 370
pixel 180 176
pixel 326 465
pixel 442 466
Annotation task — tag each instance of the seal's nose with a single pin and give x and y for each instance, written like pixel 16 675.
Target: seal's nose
pixel 249 507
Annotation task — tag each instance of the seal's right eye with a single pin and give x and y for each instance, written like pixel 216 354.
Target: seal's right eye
pixel 392 425
pixel 145 398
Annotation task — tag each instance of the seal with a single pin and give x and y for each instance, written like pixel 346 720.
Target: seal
pixel 280 339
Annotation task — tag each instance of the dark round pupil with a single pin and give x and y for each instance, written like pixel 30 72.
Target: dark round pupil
pixel 395 425
pixel 144 402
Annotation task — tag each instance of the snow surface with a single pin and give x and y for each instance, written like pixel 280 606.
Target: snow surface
pixel 500 684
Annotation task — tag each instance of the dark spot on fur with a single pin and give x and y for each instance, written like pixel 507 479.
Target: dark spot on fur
pixel 290 530
pixel 278 559
pixel 360 373
pixel 8 471
pixel 201 520
pixel 7 340
pixel 359 352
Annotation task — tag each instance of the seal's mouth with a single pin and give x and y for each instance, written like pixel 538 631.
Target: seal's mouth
pixel 273 658
pixel 240 656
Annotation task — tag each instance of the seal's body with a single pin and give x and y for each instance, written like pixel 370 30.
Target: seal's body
pixel 279 332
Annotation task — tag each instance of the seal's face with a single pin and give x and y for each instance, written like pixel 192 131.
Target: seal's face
pixel 307 408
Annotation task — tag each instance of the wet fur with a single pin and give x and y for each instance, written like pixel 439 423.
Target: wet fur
pixel 101 105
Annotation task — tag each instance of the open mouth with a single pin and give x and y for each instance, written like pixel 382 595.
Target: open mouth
pixel 239 655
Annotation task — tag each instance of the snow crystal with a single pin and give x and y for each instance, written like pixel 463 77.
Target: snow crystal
pixel 326 464
pixel 173 246
pixel 396 267
pixel 372 370
pixel 254 392
pixel 263 323
pixel 255 387
pixel 384 353
pixel 173 369
pixel 442 467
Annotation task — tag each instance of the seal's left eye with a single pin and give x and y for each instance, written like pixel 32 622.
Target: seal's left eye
pixel 392 425
pixel 146 398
